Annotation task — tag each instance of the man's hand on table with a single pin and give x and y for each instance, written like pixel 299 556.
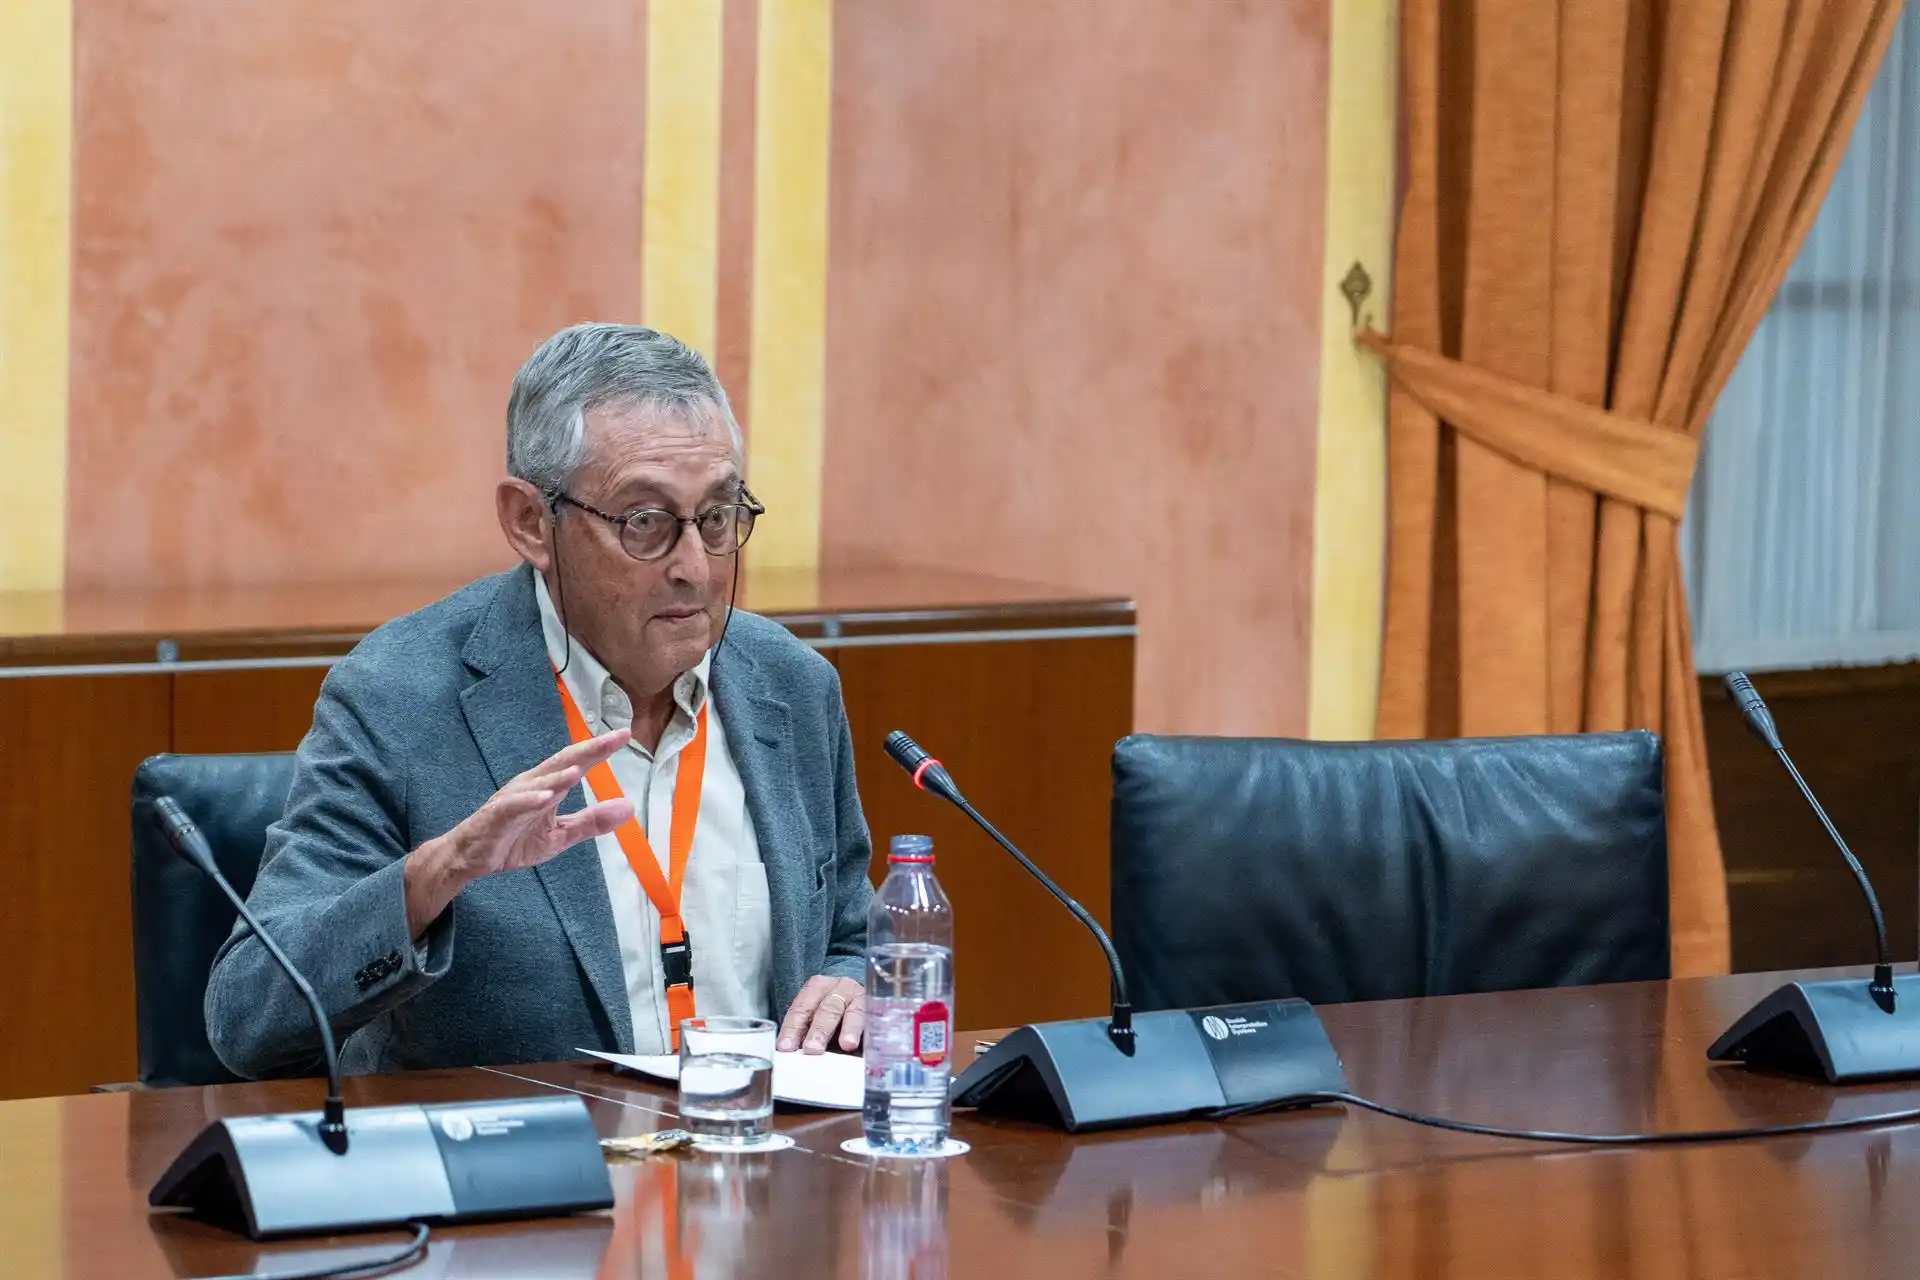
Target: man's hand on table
pixel 823 1005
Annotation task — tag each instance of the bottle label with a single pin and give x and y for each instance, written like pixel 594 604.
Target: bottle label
pixel 930 1027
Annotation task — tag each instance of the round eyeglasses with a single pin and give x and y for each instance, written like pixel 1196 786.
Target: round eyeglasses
pixel 651 533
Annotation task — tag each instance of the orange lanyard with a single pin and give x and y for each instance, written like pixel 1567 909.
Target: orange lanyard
pixel 676 948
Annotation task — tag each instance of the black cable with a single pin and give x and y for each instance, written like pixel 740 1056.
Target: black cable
pixel 559 587
pixel 415 1250
pixel 733 600
pixel 1581 1139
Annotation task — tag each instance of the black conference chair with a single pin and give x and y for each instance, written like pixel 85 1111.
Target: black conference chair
pixel 1253 869
pixel 180 917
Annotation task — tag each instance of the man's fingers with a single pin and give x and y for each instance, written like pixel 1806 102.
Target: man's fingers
pixel 833 1007
pixel 594 821
pixel 560 780
pixel 853 1023
pixel 587 754
pixel 800 1015
pixel 511 806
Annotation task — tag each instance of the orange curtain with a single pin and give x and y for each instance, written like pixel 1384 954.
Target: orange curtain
pixel 1602 197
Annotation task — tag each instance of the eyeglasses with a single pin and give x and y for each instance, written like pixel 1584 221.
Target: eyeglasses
pixel 650 533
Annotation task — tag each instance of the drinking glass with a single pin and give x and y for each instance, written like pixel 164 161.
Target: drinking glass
pixel 726 1080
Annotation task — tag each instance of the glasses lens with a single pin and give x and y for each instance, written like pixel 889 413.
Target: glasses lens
pixel 648 535
pixel 725 527
pixel 716 529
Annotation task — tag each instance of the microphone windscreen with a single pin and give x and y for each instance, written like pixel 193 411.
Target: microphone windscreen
pixel 182 835
pixel 1753 708
pixel 906 753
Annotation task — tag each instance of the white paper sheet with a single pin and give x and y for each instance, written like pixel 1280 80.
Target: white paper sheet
pixel 835 1081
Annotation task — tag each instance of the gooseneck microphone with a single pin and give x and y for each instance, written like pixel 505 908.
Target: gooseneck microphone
pixel 186 841
pixel 1172 1064
pixel 1754 709
pixel 1838 1028
pixel 415 1163
pixel 932 777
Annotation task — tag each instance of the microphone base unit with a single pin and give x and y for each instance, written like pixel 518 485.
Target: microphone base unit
pixel 1836 1029
pixel 274 1176
pixel 1185 1063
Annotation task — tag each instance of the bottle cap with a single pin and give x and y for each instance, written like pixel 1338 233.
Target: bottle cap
pixel 911 849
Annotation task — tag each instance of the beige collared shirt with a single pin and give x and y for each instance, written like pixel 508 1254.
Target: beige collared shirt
pixel 724 902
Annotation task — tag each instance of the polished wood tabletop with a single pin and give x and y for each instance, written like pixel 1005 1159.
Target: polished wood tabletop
pixel 44 625
pixel 1326 1192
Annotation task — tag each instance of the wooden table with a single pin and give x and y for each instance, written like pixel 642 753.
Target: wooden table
pixel 1326 1192
pixel 91 684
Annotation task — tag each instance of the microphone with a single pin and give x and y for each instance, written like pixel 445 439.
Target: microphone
pixel 932 777
pixel 187 842
pixel 414 1164
pixel 1173 1064
pixel 1835 1029
pixel 1754 708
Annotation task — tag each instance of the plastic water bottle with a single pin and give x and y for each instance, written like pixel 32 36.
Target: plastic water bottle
pixel 909 1003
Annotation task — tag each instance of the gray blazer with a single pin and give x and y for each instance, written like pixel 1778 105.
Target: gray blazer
pixel 413 731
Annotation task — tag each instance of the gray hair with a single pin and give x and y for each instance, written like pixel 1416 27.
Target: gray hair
pixel 591 365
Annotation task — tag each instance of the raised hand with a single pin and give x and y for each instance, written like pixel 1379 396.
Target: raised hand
pixel 517 827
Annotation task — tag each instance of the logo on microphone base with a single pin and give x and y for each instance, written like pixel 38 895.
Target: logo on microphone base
pixel 1215 1027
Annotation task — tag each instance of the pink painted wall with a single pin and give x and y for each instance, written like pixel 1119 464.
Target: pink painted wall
pixel 313 240
pixel 1074 293
pixel 1074 318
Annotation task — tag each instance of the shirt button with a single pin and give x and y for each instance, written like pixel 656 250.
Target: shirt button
pixel 615 705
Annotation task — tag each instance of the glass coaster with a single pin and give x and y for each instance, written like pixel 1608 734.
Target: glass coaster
pixel 859 1147
pixel 712 1146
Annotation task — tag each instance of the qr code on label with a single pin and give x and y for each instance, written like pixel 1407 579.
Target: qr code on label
pixel 933 1040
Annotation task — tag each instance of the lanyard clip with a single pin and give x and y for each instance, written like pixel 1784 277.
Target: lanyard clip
pixel 676 961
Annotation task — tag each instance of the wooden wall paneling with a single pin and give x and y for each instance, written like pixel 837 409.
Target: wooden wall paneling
pixel 260 710
pixel 1855 735
pixel 68 749
pixel 1028 729
pixel 69 745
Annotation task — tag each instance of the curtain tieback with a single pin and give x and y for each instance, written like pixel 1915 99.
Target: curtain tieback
pixel 1638 462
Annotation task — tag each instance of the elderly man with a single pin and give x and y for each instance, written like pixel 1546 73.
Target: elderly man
pixel 571 804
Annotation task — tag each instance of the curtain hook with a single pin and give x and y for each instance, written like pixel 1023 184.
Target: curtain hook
pixel 1356 287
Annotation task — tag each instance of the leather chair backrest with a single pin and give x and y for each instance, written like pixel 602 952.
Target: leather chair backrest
pixel 180 917
pixel 1253 869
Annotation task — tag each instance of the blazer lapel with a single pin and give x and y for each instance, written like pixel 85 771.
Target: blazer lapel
pixel 759 729
pixel 514 714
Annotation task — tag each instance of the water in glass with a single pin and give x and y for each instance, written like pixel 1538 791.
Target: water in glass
pixel 728 1096
pixel 726 1079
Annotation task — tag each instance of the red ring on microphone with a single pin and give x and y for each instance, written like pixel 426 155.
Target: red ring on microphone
pixel 920 770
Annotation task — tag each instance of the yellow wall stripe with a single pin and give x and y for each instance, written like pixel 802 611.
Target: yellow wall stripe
pixel 792 136
pixel 36 149
pixel 680 210
pixel 1350 512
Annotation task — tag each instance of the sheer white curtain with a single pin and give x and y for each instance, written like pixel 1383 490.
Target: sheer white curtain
pixel 1801 546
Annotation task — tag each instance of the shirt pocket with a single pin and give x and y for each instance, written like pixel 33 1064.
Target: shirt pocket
pixel 753 929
